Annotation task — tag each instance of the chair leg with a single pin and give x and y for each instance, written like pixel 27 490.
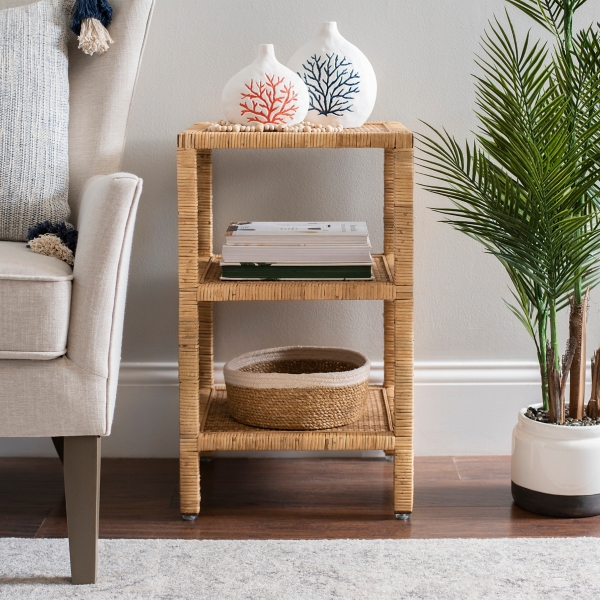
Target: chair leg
pixel 59 446
pixel 82 492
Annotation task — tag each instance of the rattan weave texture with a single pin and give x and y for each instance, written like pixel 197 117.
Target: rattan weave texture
pixel 312 409
pixel 388 134
pixel 211 287
pixel 376 419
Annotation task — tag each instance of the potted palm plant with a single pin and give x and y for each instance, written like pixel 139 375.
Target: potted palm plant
pixel 527 188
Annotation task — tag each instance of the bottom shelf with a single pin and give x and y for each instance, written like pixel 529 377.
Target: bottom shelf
pixel 374 430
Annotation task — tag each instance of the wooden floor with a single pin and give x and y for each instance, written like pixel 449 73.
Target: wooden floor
pixel 270 498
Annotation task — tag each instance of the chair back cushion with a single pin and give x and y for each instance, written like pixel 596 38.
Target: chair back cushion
pixel 34 116
pixel 101 94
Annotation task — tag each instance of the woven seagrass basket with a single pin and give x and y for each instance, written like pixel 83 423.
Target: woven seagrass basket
pixel 297 387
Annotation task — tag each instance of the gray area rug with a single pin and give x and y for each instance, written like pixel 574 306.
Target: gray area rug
pixel 347 569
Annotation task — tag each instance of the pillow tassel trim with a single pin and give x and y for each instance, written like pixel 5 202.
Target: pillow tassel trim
pixel 89 22
pixel 58 240
pixel 94 37
pixel 50 244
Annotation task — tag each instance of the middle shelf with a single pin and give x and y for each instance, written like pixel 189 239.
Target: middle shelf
pixel 212 289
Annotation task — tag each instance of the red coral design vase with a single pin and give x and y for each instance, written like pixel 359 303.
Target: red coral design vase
pixel 265 92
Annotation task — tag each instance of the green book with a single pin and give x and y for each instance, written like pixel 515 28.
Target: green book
pixel 266 271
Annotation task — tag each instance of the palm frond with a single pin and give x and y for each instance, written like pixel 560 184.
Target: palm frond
pixel 546 13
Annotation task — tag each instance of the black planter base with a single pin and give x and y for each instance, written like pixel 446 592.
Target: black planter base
pixel 553 505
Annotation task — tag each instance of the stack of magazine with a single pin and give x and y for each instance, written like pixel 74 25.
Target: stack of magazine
pixel 297 251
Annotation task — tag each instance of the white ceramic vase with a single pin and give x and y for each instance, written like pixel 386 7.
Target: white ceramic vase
pixel 265 93
pixel 340 80
pixel 555 469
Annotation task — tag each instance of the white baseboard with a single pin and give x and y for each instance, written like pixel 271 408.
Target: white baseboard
pixel 148 374
pixel 426 373
pixel 461 408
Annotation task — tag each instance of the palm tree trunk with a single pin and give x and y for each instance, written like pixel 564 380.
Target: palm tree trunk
pixel 593 407
pixel 554 334
pixel 577 330
pixel 556 411
pixel 542 358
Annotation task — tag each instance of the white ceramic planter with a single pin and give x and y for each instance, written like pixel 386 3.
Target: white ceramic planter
pixel 555 470
pixel 340 80
pixel 265 93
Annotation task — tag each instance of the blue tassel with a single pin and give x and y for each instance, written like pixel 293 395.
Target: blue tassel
pixel 90 9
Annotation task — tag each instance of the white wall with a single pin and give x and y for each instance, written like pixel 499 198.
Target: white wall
pixel 423 54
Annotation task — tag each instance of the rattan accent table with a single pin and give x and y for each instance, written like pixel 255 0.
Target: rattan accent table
pixel 204 422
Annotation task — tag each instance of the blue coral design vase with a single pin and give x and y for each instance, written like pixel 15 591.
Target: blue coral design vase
pixel 341 82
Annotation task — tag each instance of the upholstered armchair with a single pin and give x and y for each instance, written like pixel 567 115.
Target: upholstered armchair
pixel 61 327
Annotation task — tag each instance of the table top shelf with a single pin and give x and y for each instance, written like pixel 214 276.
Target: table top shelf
pixel 212 289
pixel 373 431
pixel 376 134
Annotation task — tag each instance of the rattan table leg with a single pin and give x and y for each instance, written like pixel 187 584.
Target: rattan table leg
pixel 403 477
pixel 194 182
pixel 399 180
pixel 189 479
pixel 403 407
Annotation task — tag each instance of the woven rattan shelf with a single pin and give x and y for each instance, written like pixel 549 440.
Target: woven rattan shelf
pixel 204 422
pixel 389 134
pixel 372 432
pixel 212 289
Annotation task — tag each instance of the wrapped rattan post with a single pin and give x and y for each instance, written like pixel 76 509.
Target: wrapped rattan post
pixel 204 422
pixel 205 344
pixel 389 238
pixel 389 196
pixel 403 476
pixel 205 203
pixel 205 356
pixel 187 184
pixel 404 334
pixel 189 415
pixel 189 477
pixel 389 351
pixel 205 251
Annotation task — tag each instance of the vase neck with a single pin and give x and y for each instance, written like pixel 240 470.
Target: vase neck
pixel 265 51
pixel 328 30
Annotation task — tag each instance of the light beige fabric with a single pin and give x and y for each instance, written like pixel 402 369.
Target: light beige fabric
pixel 101 93
pixel 35 300
pixel 50 398
pixel 107 217
pixel 75 394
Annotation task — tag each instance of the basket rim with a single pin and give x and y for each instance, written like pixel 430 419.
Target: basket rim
pixel 234 376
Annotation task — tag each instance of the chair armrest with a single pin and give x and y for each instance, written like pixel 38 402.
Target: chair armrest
pixel 106 221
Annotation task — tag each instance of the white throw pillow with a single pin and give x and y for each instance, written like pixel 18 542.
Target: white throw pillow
pixel 34 116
